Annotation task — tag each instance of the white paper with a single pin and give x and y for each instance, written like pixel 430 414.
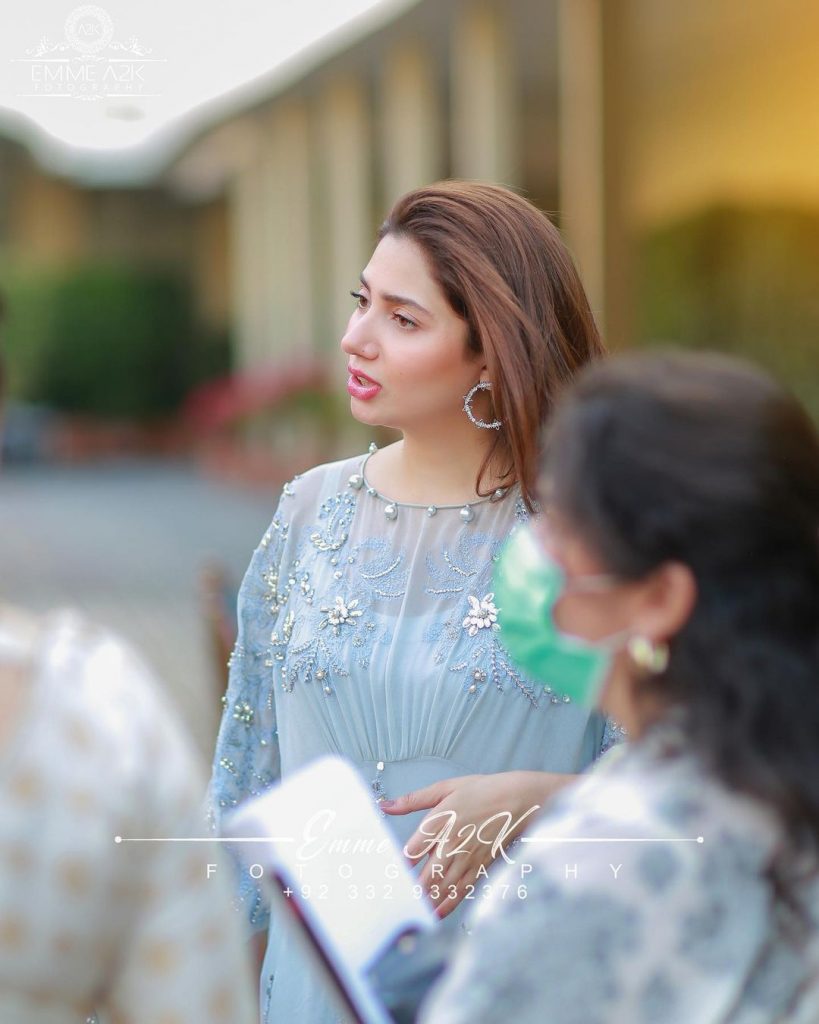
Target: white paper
pixel 321 834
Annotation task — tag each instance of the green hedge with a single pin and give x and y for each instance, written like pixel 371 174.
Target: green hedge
pixel 104 340
pixel 744 281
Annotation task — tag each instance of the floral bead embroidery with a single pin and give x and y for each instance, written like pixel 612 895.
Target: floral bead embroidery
pixel 482 615
pixel 341 613
pixel 467 571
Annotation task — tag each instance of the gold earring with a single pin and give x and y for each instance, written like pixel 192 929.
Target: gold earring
pixel 646 654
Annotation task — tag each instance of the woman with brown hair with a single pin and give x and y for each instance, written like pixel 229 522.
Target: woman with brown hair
pixel 367 621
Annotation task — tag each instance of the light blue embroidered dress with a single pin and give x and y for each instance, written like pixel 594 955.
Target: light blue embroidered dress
pixel 376 639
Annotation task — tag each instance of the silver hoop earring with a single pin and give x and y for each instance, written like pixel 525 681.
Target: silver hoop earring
pixel 482 385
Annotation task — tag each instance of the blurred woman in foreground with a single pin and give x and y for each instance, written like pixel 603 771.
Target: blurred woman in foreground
pixel 674 581
pixel 91 755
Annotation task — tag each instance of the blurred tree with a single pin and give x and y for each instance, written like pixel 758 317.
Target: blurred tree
pixel 740 280
pixel 107 341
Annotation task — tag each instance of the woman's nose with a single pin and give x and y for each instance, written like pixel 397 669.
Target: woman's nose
pixel 357 340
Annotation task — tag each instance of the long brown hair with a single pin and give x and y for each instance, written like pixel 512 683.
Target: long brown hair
pixel 506 271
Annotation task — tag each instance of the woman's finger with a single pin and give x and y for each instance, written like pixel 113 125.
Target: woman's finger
pixel 418 799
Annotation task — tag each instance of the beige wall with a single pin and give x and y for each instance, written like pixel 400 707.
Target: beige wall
pixel 48 220
pixel 725 104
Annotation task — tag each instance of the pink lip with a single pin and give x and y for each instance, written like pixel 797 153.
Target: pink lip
pixel 361 391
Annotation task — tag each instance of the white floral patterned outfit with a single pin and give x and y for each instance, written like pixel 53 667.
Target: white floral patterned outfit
pixel 377 639
pixel 134 931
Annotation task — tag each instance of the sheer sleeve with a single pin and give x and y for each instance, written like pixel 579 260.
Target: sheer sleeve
pixel 246 760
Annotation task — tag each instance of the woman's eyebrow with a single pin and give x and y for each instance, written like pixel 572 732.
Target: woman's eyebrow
pixel 400 300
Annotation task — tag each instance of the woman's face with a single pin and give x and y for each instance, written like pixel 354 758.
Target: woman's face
pixel 408 343
pixel 600 608
pixel 594 605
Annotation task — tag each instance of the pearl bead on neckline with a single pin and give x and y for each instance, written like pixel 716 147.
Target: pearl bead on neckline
pixel 466 511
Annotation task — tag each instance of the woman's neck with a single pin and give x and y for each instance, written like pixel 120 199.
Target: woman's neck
pixel 635 711
pixel 429 470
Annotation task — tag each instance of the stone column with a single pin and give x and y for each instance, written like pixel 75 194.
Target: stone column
pixel 288 255
pixel 410 126
pixel 594 153
pixel 247 248
pixel 485 100
pixel 347 224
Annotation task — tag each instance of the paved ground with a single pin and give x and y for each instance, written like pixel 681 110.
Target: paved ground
pixel 125 542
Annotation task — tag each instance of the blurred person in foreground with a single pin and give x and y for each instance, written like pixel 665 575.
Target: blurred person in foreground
pixel 674 581
pixel 90 751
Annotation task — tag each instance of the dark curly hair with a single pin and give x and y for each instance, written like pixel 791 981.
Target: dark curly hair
pixel 705 460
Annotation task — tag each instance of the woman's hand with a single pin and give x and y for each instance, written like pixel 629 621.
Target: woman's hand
pixel 473 818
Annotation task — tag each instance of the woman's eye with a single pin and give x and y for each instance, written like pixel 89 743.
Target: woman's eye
pixel 404 322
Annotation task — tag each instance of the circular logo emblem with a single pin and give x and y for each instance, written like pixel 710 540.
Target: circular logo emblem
pixel 89 29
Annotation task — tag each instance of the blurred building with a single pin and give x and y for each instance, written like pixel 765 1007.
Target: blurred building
pixel 51 222
pixel 623 118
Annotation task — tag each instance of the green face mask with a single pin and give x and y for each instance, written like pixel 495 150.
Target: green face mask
pixel 527 585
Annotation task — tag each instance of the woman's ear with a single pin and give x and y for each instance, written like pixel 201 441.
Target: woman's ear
pixel 668 599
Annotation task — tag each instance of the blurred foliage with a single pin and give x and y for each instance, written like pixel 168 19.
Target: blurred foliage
pixel 105 340
pixel 744 281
